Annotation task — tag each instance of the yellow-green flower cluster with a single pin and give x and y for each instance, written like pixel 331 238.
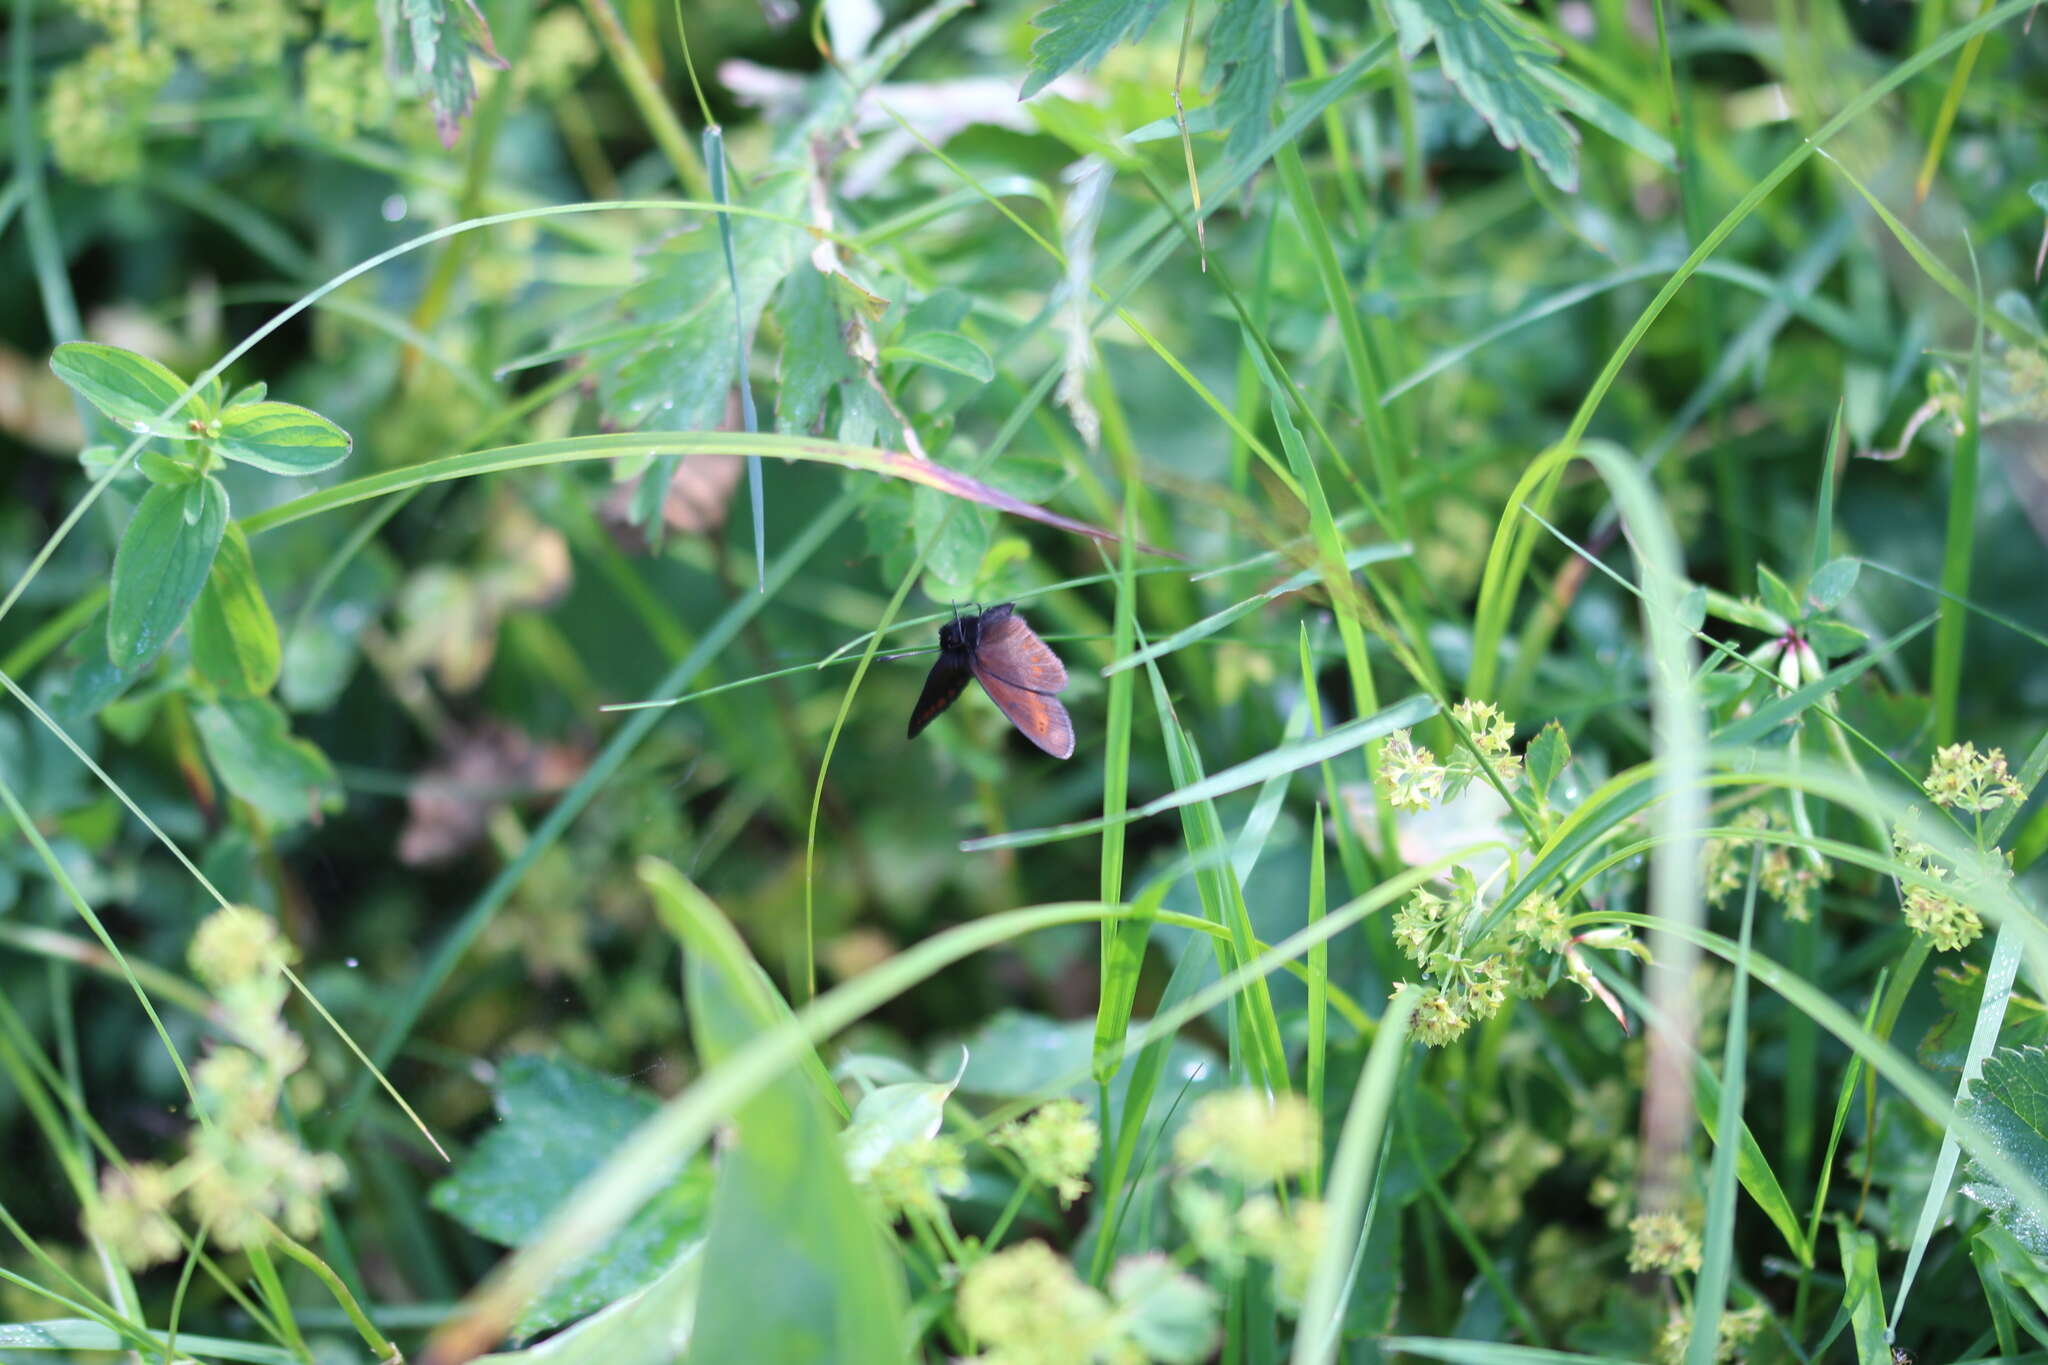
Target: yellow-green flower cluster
pixel 1791 876
pixel 1026 1306
pixel 1739 1326
pixel 913 1177
pixel 1289 1239
pixel 1505 1165
pixel 1057 1145
pixel 221 35
pixel 1540 920
pixel 97 106
pixel 1942 919
pixel 241 1173
pixel 1410 778
pixel 1491 734
pixel 345 89
pixel 1663 1242
pixel 1963 779
pixel 1251 1137
pixel 1467 992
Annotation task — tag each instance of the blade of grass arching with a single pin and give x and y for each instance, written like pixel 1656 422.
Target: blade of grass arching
pixel 1863 1296
pixel 45 249
pixel 714 164
pixel 401 1017
pixel 1315 1059
pixel 1717 1239
pixel 1958 548
pixel 1252 772
pixel 1508 557
pixel 1991 1006
pixel 1246 388
pixel 681 1127
pixel 1901 1071
pixel 1489 1353
pixel 1824 503
pixel 1355 1171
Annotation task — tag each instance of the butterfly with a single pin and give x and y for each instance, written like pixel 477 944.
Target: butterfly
pixel 1018 670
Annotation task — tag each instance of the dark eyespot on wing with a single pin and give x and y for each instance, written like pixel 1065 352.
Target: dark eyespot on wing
pixel 1041 717
pixel 942 687
pixel 1013 652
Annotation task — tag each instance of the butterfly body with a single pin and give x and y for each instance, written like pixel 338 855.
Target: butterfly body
pixel 1020 673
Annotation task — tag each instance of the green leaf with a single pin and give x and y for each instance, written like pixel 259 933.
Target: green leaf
pixel 1546 758
pixel 235 644
pixel 784 1212
pixel 1493 60
pixel 158 467
pixel 558 1120
pixel 430 43
pixel 252 747
pixel 282 438
pixel 663 354
pixel 1170 1314
pixel 132 390
pixel 1245 43
pixel 1778 598
pixel 1079 33
pixel 953 538
pixel 1832 582
pixel 1961 991
pixel 814 360
pixel 889 1116
pixel 93 681
pixel 944 351
pixel 646 1327
pixel 2010 1100
pixel 160 567
pixel 252 393
pixel 1834 638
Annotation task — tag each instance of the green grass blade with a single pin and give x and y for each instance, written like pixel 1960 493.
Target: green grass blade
pixel 1710 1294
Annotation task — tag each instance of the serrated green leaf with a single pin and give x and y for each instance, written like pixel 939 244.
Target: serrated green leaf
pixel 1832 582
pixel 162 563
pixel 558 1121
pixel 1548 754
pixel 235 644
pixel 2010 1101
pixel 1079 33
pixel 1778 598
pixel 132 390
pixel 1492 59
pixel 814 361
pixel 944 351
pixel 253 749
pixel 663 355
pixel 1244 43
pixel 430 43
pixel 282 438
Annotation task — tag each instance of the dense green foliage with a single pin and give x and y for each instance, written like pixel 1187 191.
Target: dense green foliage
pixel 1542 507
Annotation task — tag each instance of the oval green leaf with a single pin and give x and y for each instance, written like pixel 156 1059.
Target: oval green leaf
pixel 235 644
pixel 944 351
pixel 135 392
pixel 252 747
pixel 161 566
pixel 281 438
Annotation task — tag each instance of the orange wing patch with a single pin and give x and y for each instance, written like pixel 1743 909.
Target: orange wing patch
pixel 1015 653
pixel 1041 717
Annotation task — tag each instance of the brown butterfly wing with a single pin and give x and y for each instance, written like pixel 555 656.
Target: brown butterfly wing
pixel 1020 673
pixel 1013 652
pixel 942 686
pixel 1041 717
